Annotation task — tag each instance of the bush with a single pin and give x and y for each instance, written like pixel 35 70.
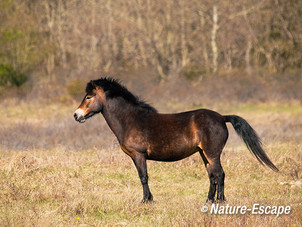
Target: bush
pixel 194 72
pixel 10 77
pixel 76 88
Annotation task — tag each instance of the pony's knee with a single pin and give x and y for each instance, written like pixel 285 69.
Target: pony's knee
pixel 144 179
pixel 221 174
pixel 216 173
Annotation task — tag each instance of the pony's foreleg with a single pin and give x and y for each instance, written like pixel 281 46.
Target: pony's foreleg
pixel 141 166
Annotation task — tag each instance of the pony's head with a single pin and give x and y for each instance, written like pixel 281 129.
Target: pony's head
pixel 102 91
pixel 92 103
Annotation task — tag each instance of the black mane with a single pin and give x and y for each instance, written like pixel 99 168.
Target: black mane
pixel 114 89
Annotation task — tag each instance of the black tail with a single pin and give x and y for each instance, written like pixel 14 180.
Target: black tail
pixel 250 138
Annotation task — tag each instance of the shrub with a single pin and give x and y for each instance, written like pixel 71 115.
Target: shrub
pixel 194 72
pixel 11 77
pixel 76 87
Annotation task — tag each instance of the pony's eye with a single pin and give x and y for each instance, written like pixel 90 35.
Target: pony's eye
pixel 88 97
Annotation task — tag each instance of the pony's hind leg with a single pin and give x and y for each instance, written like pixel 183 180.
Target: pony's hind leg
pixel 220 184
pixel 216 177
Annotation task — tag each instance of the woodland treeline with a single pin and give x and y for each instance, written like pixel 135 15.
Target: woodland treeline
pixel 188 37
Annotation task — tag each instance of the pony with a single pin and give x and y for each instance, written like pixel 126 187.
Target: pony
pixel 144 134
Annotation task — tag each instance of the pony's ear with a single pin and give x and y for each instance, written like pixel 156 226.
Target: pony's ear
pixel 90 86
pixel 94 85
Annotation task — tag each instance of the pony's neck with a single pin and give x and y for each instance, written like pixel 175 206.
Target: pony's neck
pixel 119 114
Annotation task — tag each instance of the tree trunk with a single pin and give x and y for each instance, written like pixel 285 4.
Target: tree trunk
pixel 184 49
pixel 213 39
pixel 247 56
pixel 203 40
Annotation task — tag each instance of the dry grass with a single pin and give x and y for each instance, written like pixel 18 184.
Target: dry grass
pixel 79 177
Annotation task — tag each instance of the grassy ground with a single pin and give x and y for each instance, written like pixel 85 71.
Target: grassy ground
pixel 54 172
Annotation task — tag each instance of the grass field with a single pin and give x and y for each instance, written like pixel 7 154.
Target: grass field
pixel 56 172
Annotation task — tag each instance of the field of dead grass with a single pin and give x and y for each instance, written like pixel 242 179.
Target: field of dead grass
pixel 55 172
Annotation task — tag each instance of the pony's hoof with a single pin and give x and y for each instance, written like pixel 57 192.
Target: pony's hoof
pixel 210 201
pixel 147 201
pixel 221 201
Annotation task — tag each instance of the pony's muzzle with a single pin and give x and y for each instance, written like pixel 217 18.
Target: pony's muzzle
pixel 79 116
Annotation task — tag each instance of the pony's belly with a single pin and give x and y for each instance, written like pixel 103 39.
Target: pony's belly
pixel 170 155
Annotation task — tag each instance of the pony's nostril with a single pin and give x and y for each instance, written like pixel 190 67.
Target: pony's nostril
pixel 78 115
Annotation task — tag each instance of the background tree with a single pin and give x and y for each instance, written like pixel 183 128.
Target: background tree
pixel 172 37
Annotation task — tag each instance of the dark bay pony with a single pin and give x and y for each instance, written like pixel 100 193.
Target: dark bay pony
pixel 144 134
